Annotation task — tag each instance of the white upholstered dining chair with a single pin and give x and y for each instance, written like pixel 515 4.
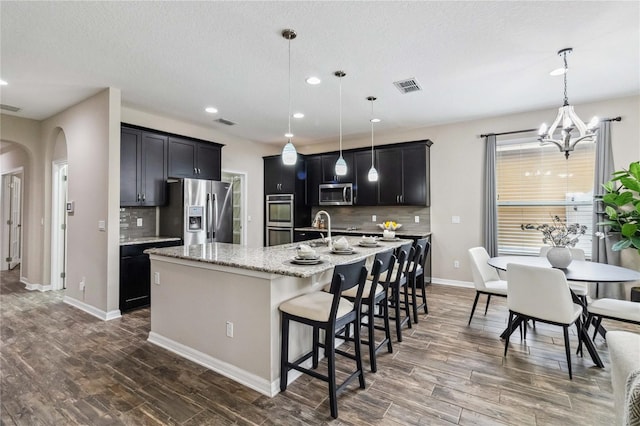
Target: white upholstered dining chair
pixel 485 278
pixel 580 289
pixel 541 294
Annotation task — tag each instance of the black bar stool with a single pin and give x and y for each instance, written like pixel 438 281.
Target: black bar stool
pixel 399 294
pixel 332 313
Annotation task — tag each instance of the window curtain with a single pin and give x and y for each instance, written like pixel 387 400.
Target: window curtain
pixel 601 248
pixel 490 198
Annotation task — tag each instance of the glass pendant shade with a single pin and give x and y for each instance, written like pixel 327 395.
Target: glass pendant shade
pixel 289 154
pixel 373 174
pixel 341 166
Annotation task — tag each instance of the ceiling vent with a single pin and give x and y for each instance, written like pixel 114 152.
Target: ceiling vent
pixel 407 86
pixel 223 121
pixel 9 108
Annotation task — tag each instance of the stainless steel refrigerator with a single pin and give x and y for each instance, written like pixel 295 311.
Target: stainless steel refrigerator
pixel 199 211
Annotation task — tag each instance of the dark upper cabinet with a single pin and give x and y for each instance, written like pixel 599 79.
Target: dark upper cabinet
pixel 329 168
pixel 194 159
pixel 208 161
pixel 143 172
pixel 280 178
pixel 314 179
pixel 365 193
pixel 403 174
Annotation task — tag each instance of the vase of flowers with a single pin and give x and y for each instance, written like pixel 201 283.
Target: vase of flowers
pixel 560 236
pixel 389 228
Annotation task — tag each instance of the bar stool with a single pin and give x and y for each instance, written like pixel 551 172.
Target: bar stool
pixel 330 312
pixel 375 297
pixel 398 284
pixel 416 276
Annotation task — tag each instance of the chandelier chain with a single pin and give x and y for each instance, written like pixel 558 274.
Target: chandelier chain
pixel 566 69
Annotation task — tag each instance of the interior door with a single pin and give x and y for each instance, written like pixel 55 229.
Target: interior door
pixel 16 221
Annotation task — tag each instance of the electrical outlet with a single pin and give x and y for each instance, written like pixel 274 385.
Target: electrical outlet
pixel 102 225
pixel 139 221
pixel 455 219
pixel 416 219
pixel 229 329
pixel 156 278
pixel 456 264
pixel 374 218
pixel 82 284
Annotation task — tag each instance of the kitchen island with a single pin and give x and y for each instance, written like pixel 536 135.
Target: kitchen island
pixel 217 304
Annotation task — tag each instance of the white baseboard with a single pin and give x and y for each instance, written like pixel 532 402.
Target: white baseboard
pixel 231 371
pixel 92 310
pixel 34 286
pixel 452 283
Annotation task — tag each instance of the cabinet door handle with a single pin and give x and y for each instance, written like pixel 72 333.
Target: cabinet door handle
pixel 199 170
pixel 402 198
pixel 138 197
pixel 143 197
pixel 195 171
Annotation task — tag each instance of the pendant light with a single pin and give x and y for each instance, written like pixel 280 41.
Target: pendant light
pixel 569 121
pixel 289 154
pixel 341 165
pixel 373 173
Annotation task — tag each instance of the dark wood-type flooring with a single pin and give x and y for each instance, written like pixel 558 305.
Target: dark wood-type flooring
pixel 62 366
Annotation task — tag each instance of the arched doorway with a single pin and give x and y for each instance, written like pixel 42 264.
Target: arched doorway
pixel 59 178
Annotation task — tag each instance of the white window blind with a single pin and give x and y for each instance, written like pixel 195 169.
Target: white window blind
pixel 537 182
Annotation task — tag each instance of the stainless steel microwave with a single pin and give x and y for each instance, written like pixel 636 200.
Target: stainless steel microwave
pixel 336 194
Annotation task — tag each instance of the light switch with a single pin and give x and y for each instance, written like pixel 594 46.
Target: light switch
pixel 102 226
pixel 455 219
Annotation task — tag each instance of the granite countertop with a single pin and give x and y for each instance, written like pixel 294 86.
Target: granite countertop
pixel 146 240
pixel 366 231
pixel 276 259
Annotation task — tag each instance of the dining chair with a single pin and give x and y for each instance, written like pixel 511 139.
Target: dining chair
pixel 330 312
pixel 485 278
pixel 580 289
pixel 541 294
pixel 613 309
pixel 375 303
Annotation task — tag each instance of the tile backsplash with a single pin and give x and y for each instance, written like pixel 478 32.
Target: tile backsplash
pixel 129 222
pixel 360 216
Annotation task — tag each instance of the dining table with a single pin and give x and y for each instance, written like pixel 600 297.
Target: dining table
pixel 578 270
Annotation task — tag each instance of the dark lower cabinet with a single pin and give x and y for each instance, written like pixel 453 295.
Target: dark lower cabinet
pixel 306 235
pixel 135 274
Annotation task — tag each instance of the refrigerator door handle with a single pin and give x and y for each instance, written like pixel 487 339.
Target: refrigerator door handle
pixel 215 212
pixel 208 213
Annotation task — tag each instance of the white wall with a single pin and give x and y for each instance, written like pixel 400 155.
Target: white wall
pixel 238 155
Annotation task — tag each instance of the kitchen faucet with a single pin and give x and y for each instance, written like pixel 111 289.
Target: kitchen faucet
pixel 315 221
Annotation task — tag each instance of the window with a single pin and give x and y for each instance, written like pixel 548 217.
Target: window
pixel 536 182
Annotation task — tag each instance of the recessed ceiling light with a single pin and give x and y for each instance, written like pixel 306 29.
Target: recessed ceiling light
pixel 558 71
pixel 298 115
pixel 288 135
pixel 211 110
pixel 3 83
pixel 313 80
pixel 375 120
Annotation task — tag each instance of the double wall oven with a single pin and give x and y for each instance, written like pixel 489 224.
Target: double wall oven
pixel 280 220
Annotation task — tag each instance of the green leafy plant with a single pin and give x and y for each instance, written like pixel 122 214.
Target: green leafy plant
pixel 622 207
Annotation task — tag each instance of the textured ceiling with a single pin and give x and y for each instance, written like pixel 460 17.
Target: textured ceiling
pixel 472 59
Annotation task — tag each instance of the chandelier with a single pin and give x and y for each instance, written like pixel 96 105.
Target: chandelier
pixel 569 120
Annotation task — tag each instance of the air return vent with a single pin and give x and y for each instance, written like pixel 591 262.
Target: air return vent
pixel 9 108
pixel 223 121
pixel 407 86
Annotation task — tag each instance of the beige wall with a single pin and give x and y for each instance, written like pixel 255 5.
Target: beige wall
pixel 92 133
pixel 24 135
pixel 238 155
pixel 457 170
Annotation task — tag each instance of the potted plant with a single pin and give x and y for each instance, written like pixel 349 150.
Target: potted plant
pixel 622 207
